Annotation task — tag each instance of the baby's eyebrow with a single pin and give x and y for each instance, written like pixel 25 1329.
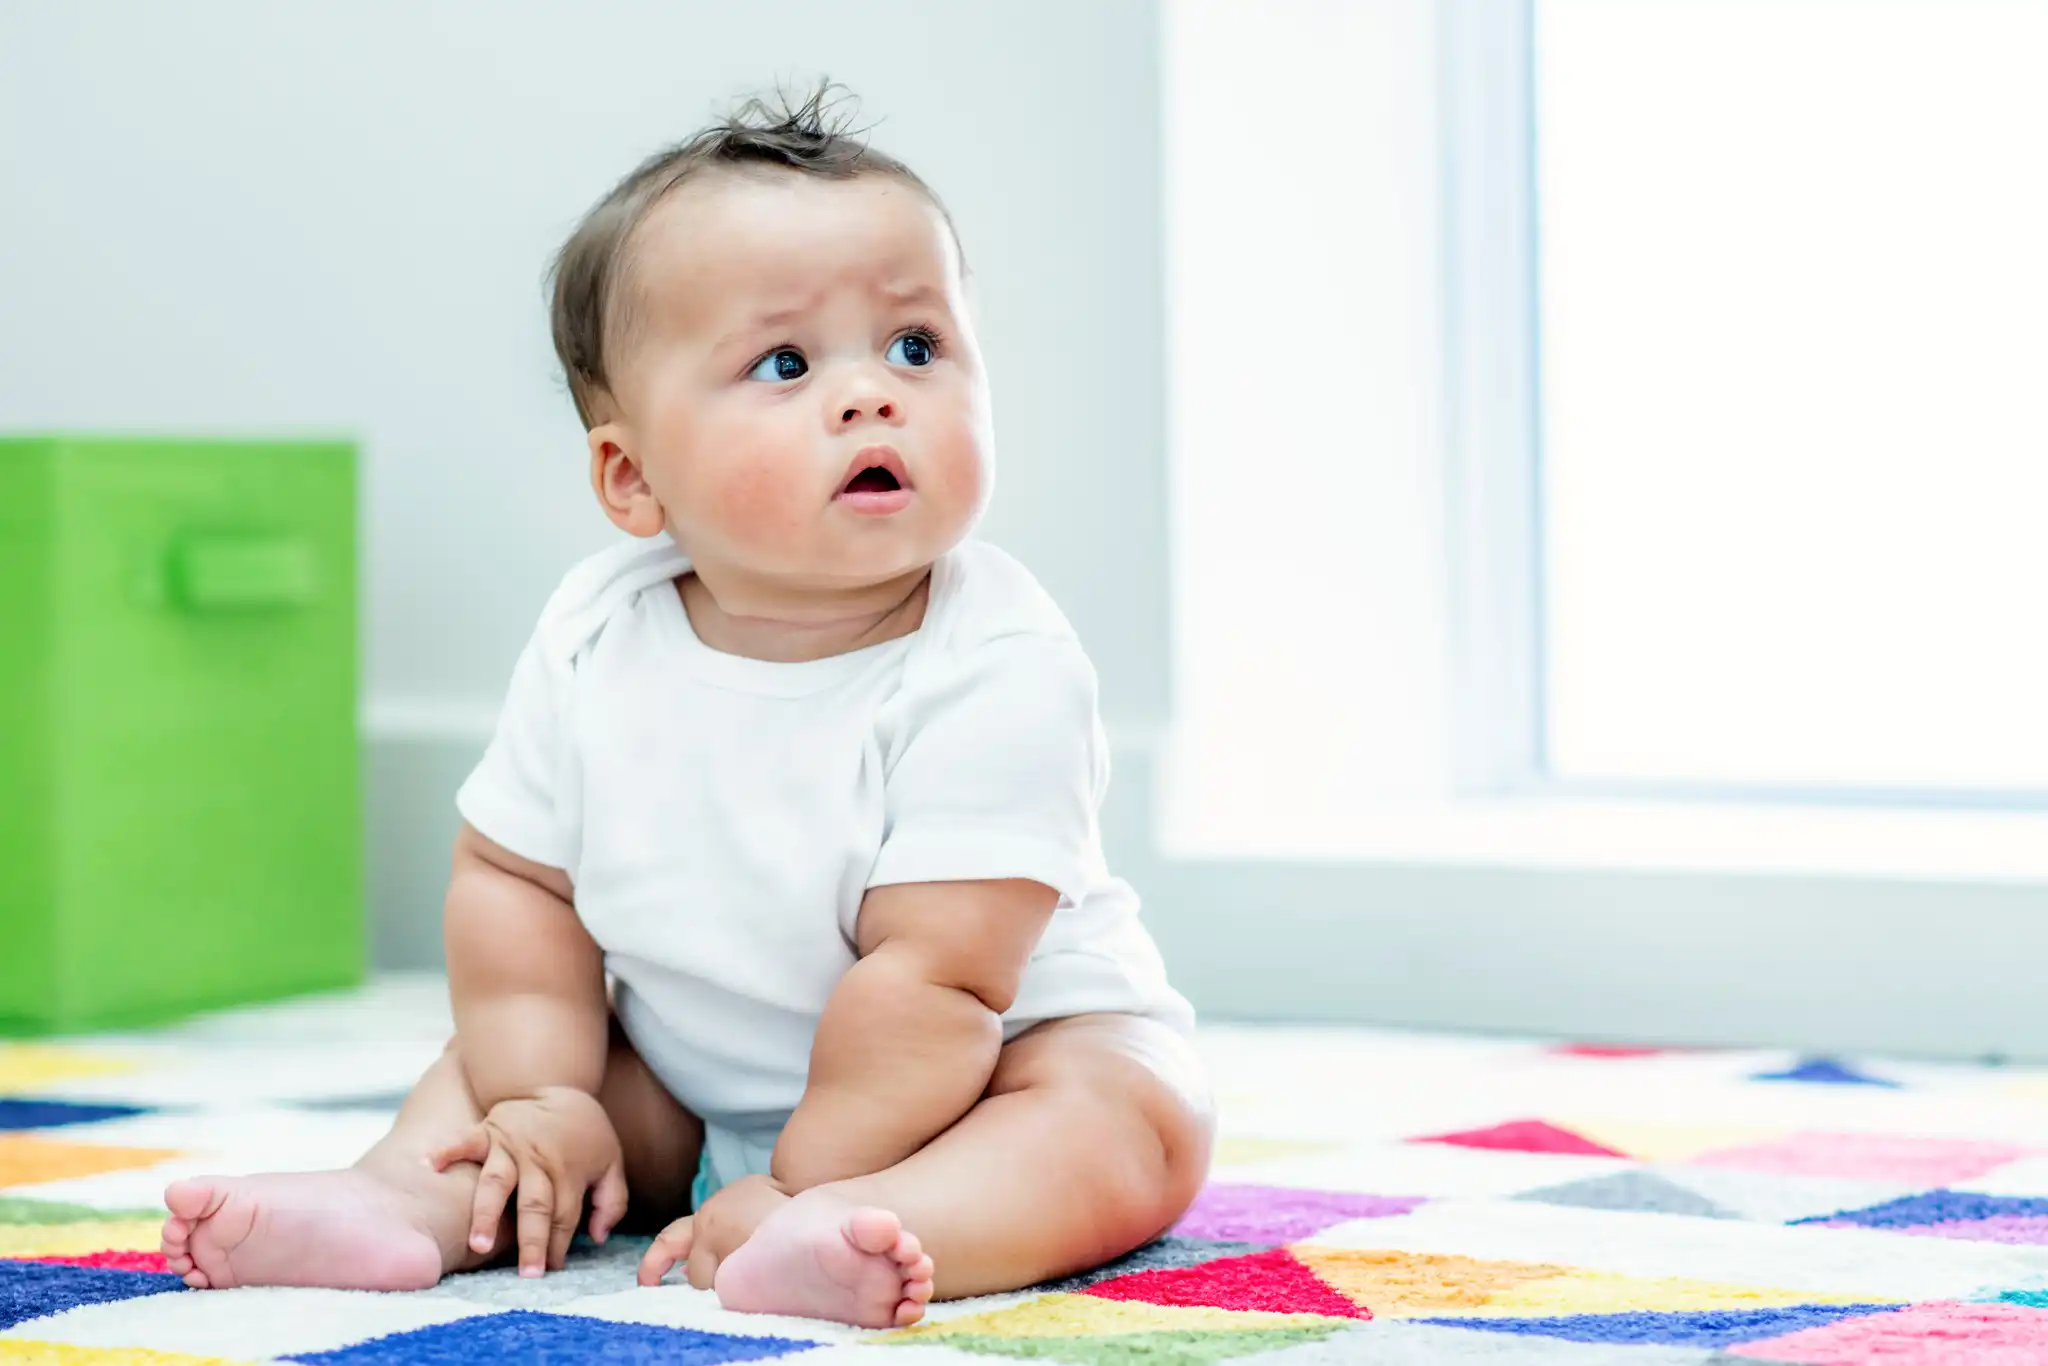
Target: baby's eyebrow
pixel 762 322
pixel 919 293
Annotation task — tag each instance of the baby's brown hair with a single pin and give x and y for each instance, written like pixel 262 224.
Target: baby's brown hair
pixel 590 314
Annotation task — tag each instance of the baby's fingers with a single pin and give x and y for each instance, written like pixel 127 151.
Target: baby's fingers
pixel 671 1247
pixel 568 1213
pixel 493 1189
pixel 473 1146
pixel 608 1203
pixel 536 1217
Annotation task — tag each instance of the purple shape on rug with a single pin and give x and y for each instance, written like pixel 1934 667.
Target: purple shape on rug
pixel 2003 1228
pixel 1281 1214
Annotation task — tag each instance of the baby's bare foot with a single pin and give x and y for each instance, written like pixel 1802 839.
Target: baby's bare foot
pixel 822 1257
pixel 344 1230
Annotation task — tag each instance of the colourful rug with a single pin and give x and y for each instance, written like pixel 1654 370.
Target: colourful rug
pixel 1378 1197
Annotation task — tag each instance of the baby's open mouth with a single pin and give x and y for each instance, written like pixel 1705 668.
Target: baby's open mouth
pixel 873 479
pixel 877 482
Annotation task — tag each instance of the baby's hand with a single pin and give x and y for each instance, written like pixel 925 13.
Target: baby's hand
pixel 703 1240
pixel 551 1148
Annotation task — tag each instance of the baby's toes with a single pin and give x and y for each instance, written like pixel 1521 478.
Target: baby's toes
pixel 876 1232
pixel 918 1274
pixel 907 1250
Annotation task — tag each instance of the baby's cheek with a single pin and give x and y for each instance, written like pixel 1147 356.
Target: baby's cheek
pixel 963 469
pixel 756 502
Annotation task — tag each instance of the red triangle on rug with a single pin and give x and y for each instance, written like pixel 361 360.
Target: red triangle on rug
pixel 1269 1282
pixel 1524 1136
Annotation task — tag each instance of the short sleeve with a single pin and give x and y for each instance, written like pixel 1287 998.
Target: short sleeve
pixel 519 794
pixel 997 771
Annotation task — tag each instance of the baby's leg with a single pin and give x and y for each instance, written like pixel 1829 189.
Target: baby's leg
pixel 1092 1140
pixel 391 1222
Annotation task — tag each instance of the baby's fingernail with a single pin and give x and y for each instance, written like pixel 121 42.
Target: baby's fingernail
pixel 480 1243
pixel 529 1272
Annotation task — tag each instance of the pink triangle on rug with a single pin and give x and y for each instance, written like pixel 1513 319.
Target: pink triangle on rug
pixel 1268 1282
pixel 1524 1136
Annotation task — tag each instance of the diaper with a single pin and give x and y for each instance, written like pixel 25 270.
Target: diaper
pixel 728 1156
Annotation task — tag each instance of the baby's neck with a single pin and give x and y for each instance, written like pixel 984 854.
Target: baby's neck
pixel 794 628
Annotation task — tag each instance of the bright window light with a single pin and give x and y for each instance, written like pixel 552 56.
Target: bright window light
pixel 1793 329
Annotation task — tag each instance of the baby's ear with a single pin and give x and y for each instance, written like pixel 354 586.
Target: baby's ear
pixel 620 484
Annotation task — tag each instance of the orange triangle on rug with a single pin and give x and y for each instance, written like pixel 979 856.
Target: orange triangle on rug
pixel 1270 1282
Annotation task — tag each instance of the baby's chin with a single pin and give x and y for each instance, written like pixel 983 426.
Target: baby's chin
pixel 875 565
pixel 886 548
pixel 837 567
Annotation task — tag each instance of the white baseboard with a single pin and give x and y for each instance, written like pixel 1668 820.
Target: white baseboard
pixel 1829 963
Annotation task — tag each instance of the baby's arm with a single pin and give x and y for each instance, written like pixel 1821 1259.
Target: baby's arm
pixel 526 978
pixel 910 1036
pixel 532 1029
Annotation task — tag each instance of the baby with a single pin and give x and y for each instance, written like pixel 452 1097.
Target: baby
pixel 779 902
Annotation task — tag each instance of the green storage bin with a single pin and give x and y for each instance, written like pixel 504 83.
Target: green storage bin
pixel 180 824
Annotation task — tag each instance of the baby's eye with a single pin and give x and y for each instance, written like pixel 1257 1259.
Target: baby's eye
pixel 911 349
pixel 779 367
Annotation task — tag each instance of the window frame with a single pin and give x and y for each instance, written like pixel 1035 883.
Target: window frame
pixel 1493 455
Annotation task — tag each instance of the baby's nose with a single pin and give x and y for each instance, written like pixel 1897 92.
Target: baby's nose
pixel 883 410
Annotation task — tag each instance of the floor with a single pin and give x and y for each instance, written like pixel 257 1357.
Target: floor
pixel 1379 1197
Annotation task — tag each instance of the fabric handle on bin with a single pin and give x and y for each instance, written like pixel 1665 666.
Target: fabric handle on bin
pixel 241 571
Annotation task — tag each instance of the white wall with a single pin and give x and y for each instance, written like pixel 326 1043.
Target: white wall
pixel 236 215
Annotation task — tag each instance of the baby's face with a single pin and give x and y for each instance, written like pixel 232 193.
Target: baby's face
pixel 801 387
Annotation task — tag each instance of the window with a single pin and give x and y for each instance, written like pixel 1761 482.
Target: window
pixel 1640 441
pixel 1791 400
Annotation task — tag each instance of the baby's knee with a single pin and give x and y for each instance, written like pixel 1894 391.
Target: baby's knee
pixel 1156 1143
pixel 1139 1098
pixel 1183 1121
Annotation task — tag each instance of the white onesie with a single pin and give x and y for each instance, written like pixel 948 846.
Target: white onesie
pixel 721 817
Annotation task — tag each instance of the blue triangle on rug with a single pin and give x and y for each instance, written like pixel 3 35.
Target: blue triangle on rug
pixel 1826 1072
pixel 1687 1328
